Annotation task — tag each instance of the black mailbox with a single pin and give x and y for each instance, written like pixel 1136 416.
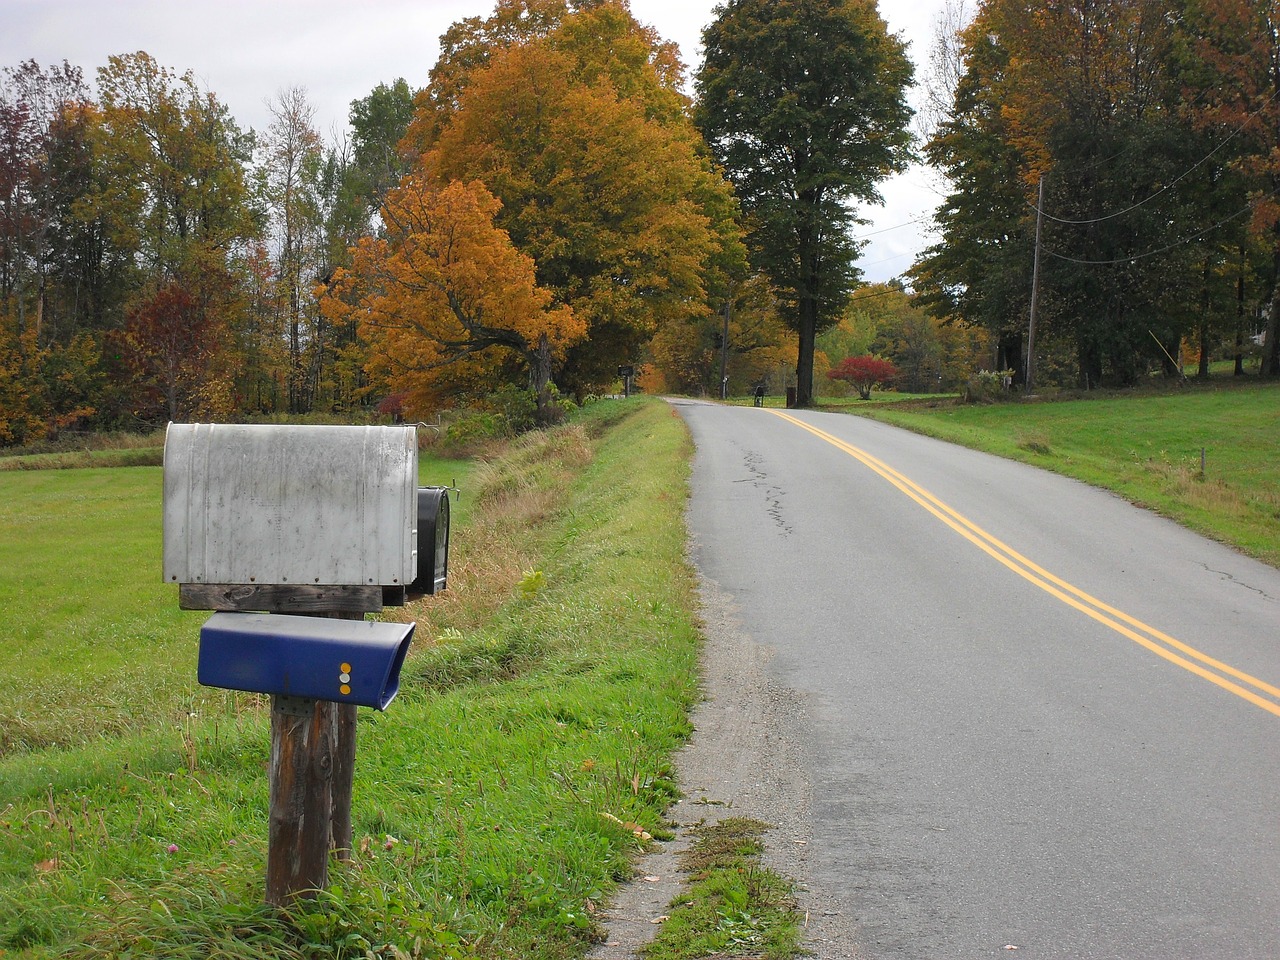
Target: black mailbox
pixel 433 541
pixel 346 661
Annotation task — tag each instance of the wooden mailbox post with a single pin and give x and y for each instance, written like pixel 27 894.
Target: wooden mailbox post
pixel 318 521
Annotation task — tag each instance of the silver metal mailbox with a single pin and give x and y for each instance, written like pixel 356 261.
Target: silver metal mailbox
pixel 297 505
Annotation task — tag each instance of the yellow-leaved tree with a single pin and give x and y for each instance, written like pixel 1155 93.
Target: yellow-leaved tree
pixel 574 119
pixel 445 301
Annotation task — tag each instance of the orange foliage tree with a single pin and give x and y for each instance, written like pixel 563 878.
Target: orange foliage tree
pixel 445 302
pixel 575 121
pixel 687 355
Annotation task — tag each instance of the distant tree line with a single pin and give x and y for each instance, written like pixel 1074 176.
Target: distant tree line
pixel 1155 127
pixel 157 262
pixel 552 205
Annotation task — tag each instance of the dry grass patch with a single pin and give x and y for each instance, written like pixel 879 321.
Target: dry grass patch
pixel 514 496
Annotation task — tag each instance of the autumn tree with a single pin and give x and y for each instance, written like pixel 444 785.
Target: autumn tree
pixel 979 273
pixel 170 342
pixel 23 405
pixel 467 48
pixel 930 354
pixel 803 102
pixel 60 279
pixel 864 373
pixel 1141 214
pixel 686 356
pixel 576 124
pixel 445 300
pixel 1234 77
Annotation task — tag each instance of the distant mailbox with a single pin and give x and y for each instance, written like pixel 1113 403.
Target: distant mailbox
pixel 296 505
pixel 346 661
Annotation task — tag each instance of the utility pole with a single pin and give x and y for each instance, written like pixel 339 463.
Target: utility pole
pixel 1035 295
pixel 724 352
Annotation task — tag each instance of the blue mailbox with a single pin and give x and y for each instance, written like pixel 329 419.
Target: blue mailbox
pixel 346 661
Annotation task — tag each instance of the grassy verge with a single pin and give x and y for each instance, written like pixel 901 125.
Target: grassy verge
pixel 87 450
pixel 1146 447
pixel 734 907
pixel 497 801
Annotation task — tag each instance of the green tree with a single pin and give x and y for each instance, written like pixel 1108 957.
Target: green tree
pixel 171 190
pixel 803 103
pixel 979 273
pixel 1093 102
pixel 289 183
pixel 1234 81
pixel 1141 226
pixel 36 105
pixel 379 122
pixel 175 193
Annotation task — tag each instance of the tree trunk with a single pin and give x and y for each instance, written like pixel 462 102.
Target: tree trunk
pixel 804 361
pixel 1009 356
pixel 1090 363
pixel 540 379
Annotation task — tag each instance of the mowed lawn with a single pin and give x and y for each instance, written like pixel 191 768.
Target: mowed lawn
pixel 98 638
pixel 1146 447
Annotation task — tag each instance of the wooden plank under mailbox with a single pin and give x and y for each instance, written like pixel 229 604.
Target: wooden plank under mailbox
pixel 290 505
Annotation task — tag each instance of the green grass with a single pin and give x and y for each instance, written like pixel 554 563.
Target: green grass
pixel 497 801
pixel 104 648
pixel 1145 447
pixel 734 907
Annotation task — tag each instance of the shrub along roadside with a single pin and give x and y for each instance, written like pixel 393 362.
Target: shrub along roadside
pixel 496 802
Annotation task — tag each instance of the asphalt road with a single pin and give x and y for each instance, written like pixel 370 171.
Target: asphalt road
pixel 1025 715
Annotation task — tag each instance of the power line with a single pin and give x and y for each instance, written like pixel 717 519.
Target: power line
pixel 1173 246
pixel 896 256
pixel 1169 186
pixel 910 223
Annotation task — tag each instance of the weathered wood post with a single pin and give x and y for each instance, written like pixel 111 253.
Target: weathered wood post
pixel 303 744
pixel 292 535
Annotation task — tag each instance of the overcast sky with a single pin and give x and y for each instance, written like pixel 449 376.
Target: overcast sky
pixel 247 51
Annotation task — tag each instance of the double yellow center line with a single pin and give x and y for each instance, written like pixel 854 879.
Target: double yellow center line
pixel 1161 644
